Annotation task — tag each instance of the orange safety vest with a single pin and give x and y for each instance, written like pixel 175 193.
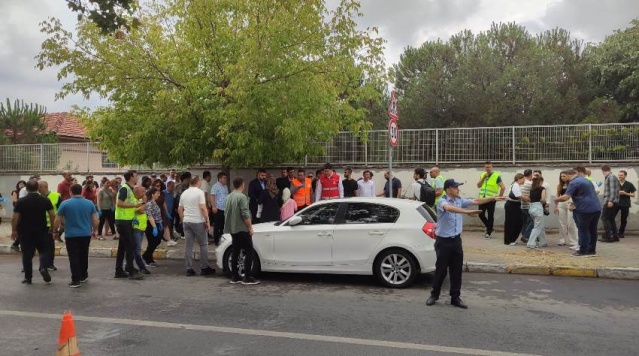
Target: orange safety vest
pixel 303 195
pixel 330 186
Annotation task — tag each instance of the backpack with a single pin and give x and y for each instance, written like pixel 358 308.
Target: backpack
pixel 427 193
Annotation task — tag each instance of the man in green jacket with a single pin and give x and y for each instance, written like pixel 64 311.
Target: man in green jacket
pixel 237 222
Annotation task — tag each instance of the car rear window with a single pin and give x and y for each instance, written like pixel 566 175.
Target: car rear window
pixel 427 212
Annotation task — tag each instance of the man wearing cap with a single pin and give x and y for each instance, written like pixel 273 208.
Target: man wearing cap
pixel 329 185
pixel 448 246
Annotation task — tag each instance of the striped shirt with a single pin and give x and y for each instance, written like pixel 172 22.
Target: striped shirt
pixel 525 190
pixel 220 192
pixel 611 188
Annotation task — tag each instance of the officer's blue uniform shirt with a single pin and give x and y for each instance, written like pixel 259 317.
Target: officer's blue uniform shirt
pixel 449 224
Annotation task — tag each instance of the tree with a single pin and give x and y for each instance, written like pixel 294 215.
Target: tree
pixel 22 123
pixel 109 15
pixel 243 82
pixel 615 72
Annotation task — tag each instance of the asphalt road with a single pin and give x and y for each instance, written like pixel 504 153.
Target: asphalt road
pixel 170 314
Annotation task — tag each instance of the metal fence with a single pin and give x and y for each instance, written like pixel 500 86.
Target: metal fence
pixel 516 144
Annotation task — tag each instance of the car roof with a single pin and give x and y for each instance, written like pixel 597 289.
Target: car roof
pixel 398 203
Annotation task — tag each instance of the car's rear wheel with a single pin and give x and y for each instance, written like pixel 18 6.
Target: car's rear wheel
pixel 240 262
pixel 395 268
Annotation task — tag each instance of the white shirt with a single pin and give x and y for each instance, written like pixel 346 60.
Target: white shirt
pixel 206 188
pixel 22 193
pixel 366 189
pixel 414 189
pixel 190 200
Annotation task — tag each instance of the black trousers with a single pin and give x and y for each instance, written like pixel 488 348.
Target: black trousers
pixel 512 222
pixel 30 242
pixel 450 256
pixel 109 217
pixel 78 250
pixel 153 243
pixel 242 241
pixel 624 218
pixel 126 245
pixel 490 220
pixel 610 225
pixel 218 226
pixel 51 247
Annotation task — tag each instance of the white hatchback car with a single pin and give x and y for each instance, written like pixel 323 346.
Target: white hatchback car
pixel 392 239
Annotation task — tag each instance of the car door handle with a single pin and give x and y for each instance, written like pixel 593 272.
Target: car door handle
pixel 325 234
pixel 376 233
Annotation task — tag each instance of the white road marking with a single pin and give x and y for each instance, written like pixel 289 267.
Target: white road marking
pixel 267 333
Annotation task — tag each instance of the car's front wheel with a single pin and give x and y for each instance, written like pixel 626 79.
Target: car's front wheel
pixel 395 268
pixel 240 262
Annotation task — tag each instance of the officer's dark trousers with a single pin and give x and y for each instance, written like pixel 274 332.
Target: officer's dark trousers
pixel 450 255
pixel 490 220
pixel 30 242
pixel 126 245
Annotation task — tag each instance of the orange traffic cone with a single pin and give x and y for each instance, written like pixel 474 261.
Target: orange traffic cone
pixel 67 343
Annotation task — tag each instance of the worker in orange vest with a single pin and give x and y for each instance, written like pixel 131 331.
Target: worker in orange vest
pixel 329 185
pixel 302 195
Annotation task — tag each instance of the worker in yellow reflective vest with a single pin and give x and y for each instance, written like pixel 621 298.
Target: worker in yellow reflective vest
pixel 125 209
pixel 54 197
pixel 490 185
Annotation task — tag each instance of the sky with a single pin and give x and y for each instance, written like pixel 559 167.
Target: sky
pixel 401 22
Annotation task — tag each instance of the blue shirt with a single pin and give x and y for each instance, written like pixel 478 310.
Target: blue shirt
pixel 449 224
pixel 78 216
pixel 168 200
pixel 583 195
pixel 220 191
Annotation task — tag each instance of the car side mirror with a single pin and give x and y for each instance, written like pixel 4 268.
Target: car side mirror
pixel 295 220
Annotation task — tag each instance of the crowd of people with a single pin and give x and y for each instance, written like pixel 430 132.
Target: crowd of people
pixel 171 207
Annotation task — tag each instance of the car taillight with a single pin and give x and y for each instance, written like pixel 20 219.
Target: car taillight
pixel 429 229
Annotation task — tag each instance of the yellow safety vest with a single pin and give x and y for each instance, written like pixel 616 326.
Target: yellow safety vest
pixel 54 197
pixel 490 188
pixel 142 220
pixel 438 179
pixel 126 214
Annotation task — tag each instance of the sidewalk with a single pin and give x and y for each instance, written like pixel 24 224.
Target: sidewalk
pixel 617 260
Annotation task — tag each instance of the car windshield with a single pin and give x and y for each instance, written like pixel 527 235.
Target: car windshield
pixel 427 212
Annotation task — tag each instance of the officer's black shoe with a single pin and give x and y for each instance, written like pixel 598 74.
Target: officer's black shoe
pixel 430 301
pixel 458 303
pixel 121 274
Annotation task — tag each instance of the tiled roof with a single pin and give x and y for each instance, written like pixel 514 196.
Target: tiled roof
pixel 64 125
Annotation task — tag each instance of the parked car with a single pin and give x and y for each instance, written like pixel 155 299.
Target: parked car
pixel 392 239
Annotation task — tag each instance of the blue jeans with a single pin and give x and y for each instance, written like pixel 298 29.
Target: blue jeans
pixel 138 237
pixel 538 232
pixel 526 223
pixel 587 230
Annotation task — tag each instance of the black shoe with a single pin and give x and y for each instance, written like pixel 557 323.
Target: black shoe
pixel 45 275
pixel 74 285
pixel 84 280
pixel 621 236
pixel 235 280
pixel 121 274
pixel 609 240
pixel 250 281
pixel 458 303
pixel 145 271
pixel 579 254
pixel 208 271
pixel 26 281
pixel 135 275
pixel 431 300
pixel 15 248
pixel 190 273
pixel 52 268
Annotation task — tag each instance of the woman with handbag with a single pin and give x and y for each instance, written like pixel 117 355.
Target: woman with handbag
pixel 537 206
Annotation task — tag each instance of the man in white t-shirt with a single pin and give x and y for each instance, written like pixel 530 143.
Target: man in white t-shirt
pixel 414 189
pixel 195 222
pixel 366 187
pixel 23 192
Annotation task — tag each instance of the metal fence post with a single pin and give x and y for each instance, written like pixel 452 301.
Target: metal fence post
pixel 88 157
pixel 436 146
pixel 590 143
pixel 366 149
pixel 514 159
pixel 41 157
pixel 306 160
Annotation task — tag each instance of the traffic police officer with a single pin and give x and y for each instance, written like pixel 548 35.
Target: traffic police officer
pixel 448 245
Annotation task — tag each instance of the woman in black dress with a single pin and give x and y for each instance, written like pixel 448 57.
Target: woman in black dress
pixel 270 201
pixel 513 220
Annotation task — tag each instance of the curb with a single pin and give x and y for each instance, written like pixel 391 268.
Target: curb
pixel 625 273
pixel 602 272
